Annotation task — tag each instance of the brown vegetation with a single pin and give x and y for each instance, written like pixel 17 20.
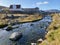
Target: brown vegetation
pixel 53 36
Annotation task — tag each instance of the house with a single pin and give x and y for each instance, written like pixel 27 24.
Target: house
pixel 18 9
pixel 15 8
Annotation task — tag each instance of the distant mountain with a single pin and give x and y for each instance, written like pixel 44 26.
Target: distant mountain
pixel 53 11
pixel 1 7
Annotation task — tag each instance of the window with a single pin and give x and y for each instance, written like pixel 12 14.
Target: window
pixel 17 6
pixel 11 6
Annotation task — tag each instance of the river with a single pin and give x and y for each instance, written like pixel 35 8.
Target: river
pixel 31 33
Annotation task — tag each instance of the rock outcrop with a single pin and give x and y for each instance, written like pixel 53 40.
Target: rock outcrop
pixel 15 36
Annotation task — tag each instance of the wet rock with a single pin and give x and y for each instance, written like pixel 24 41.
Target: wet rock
pixel 15 26
pixel 33 44
pixel 15 36
pixel 39 40
pixel 9 28
pixel 31 24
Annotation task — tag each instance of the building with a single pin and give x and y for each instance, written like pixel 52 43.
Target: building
pixel 17 8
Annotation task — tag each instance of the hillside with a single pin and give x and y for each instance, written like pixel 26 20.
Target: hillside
pixel 1 7
pixel 18 18
pixel 53 35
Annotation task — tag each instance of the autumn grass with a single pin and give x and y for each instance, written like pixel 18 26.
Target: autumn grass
pixel 53 35
pixel 30 18
pixel 55 22
pixel 2 24
pixel 52 38
pixel 24 18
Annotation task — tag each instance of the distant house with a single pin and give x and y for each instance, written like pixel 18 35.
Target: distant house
pixel 17 8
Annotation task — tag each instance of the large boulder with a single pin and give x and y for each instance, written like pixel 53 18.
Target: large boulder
pixel 15 36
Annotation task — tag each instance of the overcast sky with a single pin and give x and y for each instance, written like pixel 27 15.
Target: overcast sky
pixel 42 4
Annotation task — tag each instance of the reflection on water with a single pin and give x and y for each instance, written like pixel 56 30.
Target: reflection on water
pixel 30 33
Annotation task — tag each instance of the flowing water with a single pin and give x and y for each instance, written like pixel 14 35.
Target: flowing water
pixel 31 33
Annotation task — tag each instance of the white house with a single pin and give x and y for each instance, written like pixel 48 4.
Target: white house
pixel 24 10
pixel 15 8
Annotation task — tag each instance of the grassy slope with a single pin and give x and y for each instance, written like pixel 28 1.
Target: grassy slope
pixel 53 36
pixel 29 18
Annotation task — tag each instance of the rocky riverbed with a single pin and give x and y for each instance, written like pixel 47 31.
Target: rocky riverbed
pixel 31 32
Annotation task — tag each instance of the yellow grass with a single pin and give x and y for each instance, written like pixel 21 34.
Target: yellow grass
pixel 29 18
pixel 53 36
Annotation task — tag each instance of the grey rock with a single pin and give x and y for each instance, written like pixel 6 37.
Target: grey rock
pixel 15 36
